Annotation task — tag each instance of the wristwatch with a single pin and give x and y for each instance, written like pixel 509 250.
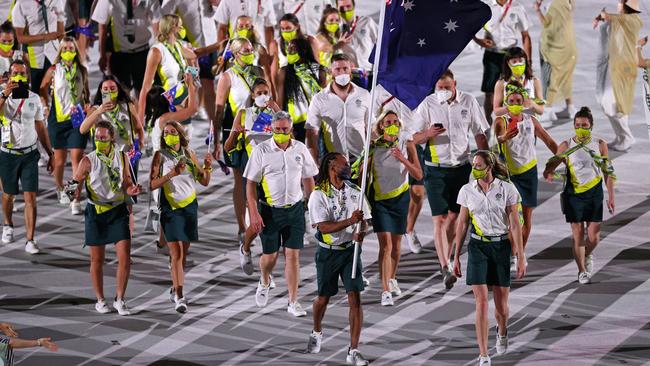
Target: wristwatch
pixel 3 96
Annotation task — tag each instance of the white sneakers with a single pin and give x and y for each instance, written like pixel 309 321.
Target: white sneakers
pixel 181 304
pixel 355 358
pixel 101 307
pixel 394 287
pixel 484 361
pixel 62 197
pixel 366 282
pixel 31 247
pixel 448 278
pixel 121 307
pixel 7 234
pixel 75 208
pixel 315 339
pixel 502 343
pixel 245 260
pixel 295 309
pixel 271 282
pixel 513 267
pixel 387 299
pixel 413 242
pixel 584 278
pixel 589 263
pixel 262 295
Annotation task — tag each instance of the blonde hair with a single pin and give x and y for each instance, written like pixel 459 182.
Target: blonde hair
pixel 254 36
pixel 85 93
pixel 181 133
pixel 168 23
pixel 238 43
pixel 378 129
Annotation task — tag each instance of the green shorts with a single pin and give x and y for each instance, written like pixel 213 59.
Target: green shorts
pixel 389 216
pixel 282 227
pixel 19 168
pixel 413 181
pixel 108 227
pixel 526 184
pixel 488 263
pixel 583 207
pixel 63 135
pixel 443 185
pixel 332 264
pixel 492 67
pixel 180 224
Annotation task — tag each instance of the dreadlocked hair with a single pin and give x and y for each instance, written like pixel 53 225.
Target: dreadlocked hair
pixel 499 170
pixel 323 177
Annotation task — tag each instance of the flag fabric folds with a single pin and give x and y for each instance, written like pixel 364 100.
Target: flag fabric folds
pixel 421 39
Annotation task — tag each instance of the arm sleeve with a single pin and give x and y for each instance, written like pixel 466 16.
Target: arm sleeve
pixel 421 118
pixel 313 115
pixel 155 11
pixel 253 169
pixel 17 16
pixel 222 15
pixel 60 11
pixel 462 197
pixel 309 168
pixel 270 18
pixel 168 7
pixel 366 209
pixel 318 210
pixel 38 116
pixel 524 22
pixel 101 13
pixel 513 195
pixel 479 123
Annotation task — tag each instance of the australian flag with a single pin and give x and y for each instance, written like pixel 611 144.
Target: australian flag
pixel 262 123
pixel 421 39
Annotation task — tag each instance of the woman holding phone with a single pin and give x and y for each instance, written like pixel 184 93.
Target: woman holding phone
pixel 516 133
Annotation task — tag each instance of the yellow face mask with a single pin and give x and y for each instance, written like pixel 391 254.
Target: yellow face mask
pixel 244 33
pixel 281 138
pixel 292 58
pixel 289 36
pixel 332 27
pixel 182 33
pixel 518 69
pixel 102 145
pixel 583 133
pixel 6 47
pixel 18 78
pixel 248 58
pixel 392 130
pixel 172 140
pixel 348 15
pixel 68 55
pixel 515 109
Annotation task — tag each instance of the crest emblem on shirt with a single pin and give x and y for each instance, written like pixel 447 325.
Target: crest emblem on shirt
pixel 298 158
pixel 499 196
pixel 464 113
pixel 362 31
pixel 358 103
pixel 317 8
pixel 31 105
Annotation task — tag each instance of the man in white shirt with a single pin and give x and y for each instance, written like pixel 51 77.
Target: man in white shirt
pixel 22 128
pixel 308 12
pixel 446 120
pixel 39 26
pixel 334 211
pixel 336 120
pixel 126 55
pixel 364 32
pixel 261 11
pixel 279 166
pixel 507 28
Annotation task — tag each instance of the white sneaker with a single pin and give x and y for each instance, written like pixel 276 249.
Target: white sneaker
pixel 355 358
pixel 584 278
pixel 42 161
pixel 502 343
pixel 387 299
pixel 121 307
pixel 366 282
pixel 413 242
pixel 261 295
pixel 31 247
pixel 101 307
pixel 296 309
pixel 315 339
pixel 181 304
pixel 75 208
pixel 62 197
pixel 589 263
pixel 245 261
pixel 513 266
pixel 448 278
pixel 7 234
pixel 572 110
pixel 394 287
pixel 201 115
pixel 271 282
pixel 484 361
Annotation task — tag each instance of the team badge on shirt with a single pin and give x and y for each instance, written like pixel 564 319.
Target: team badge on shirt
pixel 298 158
pixel 499 196
pixel 358 102
pixel 464 113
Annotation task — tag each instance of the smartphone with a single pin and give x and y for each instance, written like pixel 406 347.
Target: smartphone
pixel 21 92
pixel 106 98
pixel 438 125
pixel 512 125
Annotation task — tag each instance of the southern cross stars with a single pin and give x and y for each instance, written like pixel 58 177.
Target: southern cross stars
pixel 408 5
pixel 450 26
pixel 421 42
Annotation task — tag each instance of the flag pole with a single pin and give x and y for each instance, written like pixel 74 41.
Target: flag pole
pixel 370 117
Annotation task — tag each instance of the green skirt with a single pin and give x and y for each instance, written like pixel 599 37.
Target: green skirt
pixel 180 224
pixel 108 227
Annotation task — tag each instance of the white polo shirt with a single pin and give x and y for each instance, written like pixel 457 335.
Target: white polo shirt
pixel 364 38
pixel 145 12
pixel 22 114
pixel 6 6
pixel 308 12
pixel 488 210
pixel 506 31
pixel 261 11
pixel 198 19
pixel 332 204
pixel 280 172
pixel 27 14
pixel 462 118
pixel 384 101
pixel 342 122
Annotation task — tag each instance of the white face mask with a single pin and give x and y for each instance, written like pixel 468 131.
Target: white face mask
pixel 443 95
pixel 261 100
pixel 342 80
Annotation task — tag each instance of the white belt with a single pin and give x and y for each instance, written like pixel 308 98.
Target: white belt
pixel 343 246
pixel 24 151
pixel 443 165
pixel 497 238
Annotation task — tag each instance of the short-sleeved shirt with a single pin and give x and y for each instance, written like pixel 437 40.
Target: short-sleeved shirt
pixel 27 14
pixel 198 19
pixel 384 101
pixel 261 11
pixel 21 114
pixel 280 172
pixel 462 119
pixel 506 30
pixel 145 12
pixel 330 204
pixel 308 12
pixel 488 210
pixel 364 38
pixel 342 123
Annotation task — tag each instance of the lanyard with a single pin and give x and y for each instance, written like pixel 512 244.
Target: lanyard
pixel 176 54
pixel 505 11
pixel 70 78
pixel 298 8
pixel 113 173
pixel 19 109
pixel 390 99
pixel 121 130
pixel 354 24
pixel 43 8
